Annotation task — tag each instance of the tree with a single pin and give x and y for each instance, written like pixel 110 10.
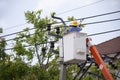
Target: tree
pixel 36 43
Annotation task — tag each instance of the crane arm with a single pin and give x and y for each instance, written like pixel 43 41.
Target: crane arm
pixel 99 60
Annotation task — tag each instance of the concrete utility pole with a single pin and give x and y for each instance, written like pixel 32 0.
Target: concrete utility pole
pixel 1 30
pixel 62 65
pixel 63 71
pixel 61 59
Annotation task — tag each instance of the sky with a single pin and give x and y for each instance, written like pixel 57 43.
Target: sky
pixel 12 14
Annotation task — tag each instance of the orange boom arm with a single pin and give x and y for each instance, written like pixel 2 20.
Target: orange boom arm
pixel 99 60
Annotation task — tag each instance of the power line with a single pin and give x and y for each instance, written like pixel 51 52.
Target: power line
pixel 15 26
pixel 15 33
pixel 79 7
pixel 88 35
pixel 30 45
pixel 102 21
pixel 99 15
pixel 84 24
pixel 60 13
pixel 94 16
pixel 104 32
pixel 70 21
pixel 23 36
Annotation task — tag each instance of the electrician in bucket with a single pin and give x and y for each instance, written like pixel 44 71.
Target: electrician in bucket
pixel 74 27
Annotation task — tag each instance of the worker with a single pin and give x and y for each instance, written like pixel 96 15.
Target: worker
pixel 74 27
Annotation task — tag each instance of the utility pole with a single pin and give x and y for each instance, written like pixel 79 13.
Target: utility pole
pixel 62 65
pixel 62 71
pixel 1 30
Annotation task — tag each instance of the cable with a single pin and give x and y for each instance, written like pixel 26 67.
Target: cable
pixel 76 19
pixel 59 13
pixel 22 36
pixel 70 21
pixel 84 24
pixel 116 75
pixel 89 17
pixel 85 71
pixel 81 69
pixel 15 33
pixel 88 35
pixel 79 7
pixel 15 26
pixel 100 15
pixel 18 37
pixel 104 32
pixel 102 21
pixel 30 45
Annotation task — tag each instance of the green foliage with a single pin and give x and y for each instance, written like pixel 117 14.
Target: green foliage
pixel 82 25
pixel 47 67
pixel 53 14
pixel 71 18
pixel 17 65
pixel 2 49
pixel 89 78
pixel 13 70
pixel 22 51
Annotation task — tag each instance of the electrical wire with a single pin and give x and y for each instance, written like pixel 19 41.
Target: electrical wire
pixel 85 71
pixel 88 35
pixel 15 26
pixel 30 45
pixel 18 37
pixel 89 17
pixel 15 33
pixel 102 21
pixel 59 13
pixel 79 7
pixel 94 16
pixel 76 19
pixel 84 24
pixel 81 69
pixel 104 32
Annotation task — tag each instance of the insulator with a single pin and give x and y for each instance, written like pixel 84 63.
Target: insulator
pixel 43 49
pixel 48 27
pixel 52 44
pixel 84 69
pixel 57 30
pixel 115 67
pixel 110 63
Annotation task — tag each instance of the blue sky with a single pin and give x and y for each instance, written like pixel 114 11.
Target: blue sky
pixel 12 13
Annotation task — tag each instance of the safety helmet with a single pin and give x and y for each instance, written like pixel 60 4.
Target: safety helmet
pixel 74 23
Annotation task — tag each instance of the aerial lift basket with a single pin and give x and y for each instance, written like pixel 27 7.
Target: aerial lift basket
pixel 73 47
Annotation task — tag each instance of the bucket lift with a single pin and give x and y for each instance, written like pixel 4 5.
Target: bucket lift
pixel 73 53
pixel 73 49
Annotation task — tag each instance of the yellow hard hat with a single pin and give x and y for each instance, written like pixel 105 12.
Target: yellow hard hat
pixel 74 23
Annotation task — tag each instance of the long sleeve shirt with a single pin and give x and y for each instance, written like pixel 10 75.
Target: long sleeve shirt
pixel 74 29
